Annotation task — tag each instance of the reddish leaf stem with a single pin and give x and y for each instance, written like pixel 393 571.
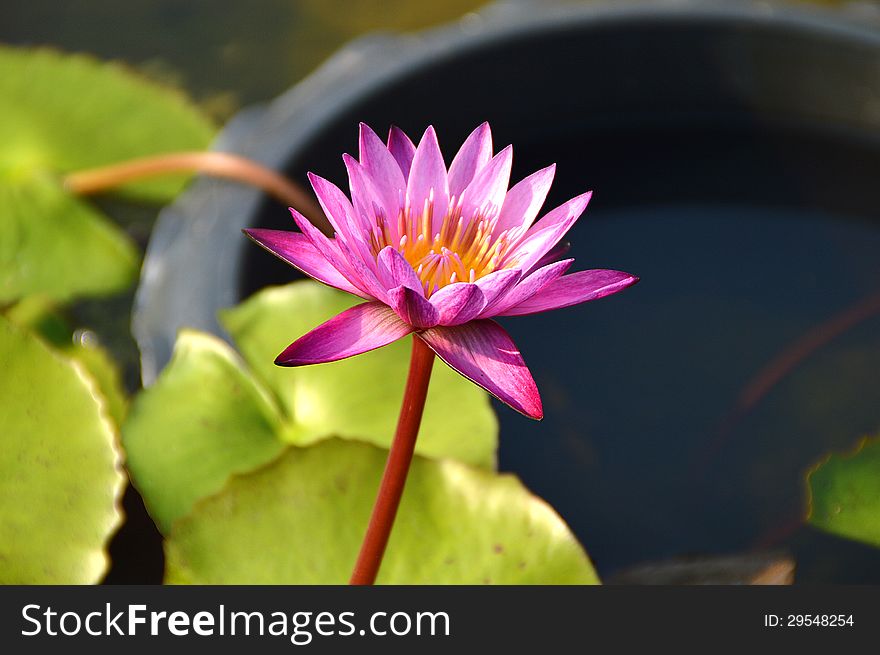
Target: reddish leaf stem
pixel 218 164
pixel 396 468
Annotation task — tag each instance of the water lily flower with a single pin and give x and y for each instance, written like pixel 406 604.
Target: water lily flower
pixel 438 253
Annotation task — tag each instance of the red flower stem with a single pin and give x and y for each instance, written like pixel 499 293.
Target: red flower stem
pixel 218 164
pixel 396 468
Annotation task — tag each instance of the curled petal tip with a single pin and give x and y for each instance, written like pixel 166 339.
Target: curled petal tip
pixel 532 406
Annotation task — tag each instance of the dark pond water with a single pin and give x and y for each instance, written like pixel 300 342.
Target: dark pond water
pixel 745 240
pixel 633 451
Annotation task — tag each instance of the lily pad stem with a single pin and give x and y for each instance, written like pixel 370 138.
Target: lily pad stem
pixel 396 468
pixel 218 164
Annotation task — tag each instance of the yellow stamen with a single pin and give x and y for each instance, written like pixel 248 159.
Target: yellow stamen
pixel 462 248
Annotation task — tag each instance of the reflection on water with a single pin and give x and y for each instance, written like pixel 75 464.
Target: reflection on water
pixel 636 386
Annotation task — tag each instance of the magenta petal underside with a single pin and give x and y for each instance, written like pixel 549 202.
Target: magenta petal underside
pixel 329 249
pixel 412 308
pixel 336 206
pixel 401 148
pixel 365 271
pixel 497 284
pixel 485 354
pixel 555 253
pixel 458 303
pixel 546 233
pixel 357 330
pixel 528 287
pixel 574 289
pixel 296 249
pixel 395 271
pixel 370 196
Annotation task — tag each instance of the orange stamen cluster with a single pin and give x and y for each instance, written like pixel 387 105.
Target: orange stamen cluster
pixel 461 250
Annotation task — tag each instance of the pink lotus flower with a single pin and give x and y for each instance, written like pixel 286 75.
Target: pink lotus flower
pixel 438 253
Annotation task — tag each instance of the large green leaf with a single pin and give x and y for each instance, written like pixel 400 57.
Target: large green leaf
pixel 62 113
pixel 41 316
pixel 208 416
pixel 60 474
pixel 845 494
pixel 357 397
pixel 301 520
pixel 204 419
pixel 55 244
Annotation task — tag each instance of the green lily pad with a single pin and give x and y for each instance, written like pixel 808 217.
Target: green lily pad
pixel 209 415
pixel 41 316
pixel 61 113
pixel 58 245
pixel 60 471
pixel 357 397
pixel 301 519
pixel 204 419
pixel 844 492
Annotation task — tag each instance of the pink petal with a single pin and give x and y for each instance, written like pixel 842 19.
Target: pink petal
pixel 545 234
pixel 458 303
pixel 365 268
pixel 383 170
pixel 485 194
pixel 402 149
pixel 368 199
pixel 498 283
pixel 412 307
pixel 378 160
pixel 395 271
pixel 574 289
pixel 524 200
pixel 427 178
pixel 330 250
pixel 337 207
pixel 297 250
pixel 475 153
pixel 485 354
pixel 556 252
pixel 527 288
pixel 357 330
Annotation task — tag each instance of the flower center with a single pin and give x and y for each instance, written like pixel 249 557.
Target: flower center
pixel 459 250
